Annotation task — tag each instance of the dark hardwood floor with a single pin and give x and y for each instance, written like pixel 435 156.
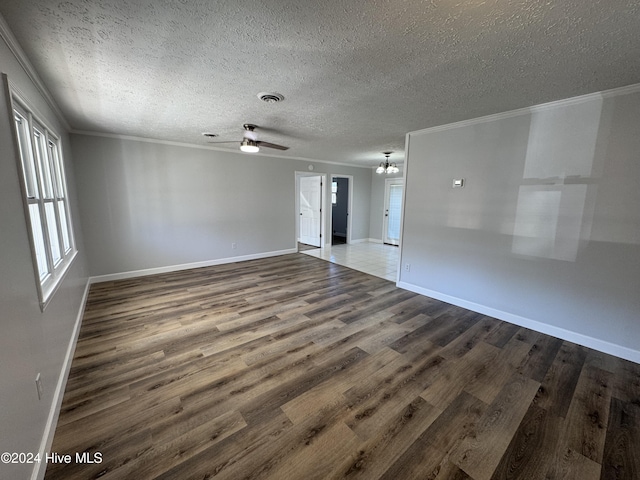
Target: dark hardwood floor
pixel 296 368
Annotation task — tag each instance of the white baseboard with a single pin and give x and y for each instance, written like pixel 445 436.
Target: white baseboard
pixel 186 266
pixel 54 412
pixel 571 336
pixel 366 240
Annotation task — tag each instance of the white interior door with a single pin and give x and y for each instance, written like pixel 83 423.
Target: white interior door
pixel 392 211
pixel 310 210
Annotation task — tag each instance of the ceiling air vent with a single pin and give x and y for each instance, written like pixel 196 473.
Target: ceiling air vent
pixel 270 97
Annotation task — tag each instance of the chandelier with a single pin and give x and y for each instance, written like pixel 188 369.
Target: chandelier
pixel 386 167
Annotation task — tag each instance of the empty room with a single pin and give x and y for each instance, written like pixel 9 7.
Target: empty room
pixel 320 240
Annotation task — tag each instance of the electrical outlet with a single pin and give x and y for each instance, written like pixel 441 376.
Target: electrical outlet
pixel 407 267
pixel 39 386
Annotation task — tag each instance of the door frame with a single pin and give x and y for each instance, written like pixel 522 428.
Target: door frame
pixel 349 206
pixel 323 176
pixel 387 184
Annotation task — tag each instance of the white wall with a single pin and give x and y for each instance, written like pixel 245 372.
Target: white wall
pixel 32 341
pixel 546 231
pixel 150 205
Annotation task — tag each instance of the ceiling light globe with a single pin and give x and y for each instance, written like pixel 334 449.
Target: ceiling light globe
pixel 380 169
pixel 250 148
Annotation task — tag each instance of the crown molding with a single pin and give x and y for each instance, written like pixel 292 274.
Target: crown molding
pixel 208 147
pixel 614 92
pixel 23 60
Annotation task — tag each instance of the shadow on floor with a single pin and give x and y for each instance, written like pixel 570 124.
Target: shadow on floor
pixel 302 247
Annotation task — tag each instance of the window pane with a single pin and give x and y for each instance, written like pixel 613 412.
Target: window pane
pixel 64 226
pixel 395 211
pixel 53 232
pixel 45 172
pixel 57 169
pixel 334 198
pixel 28 165
pixel 38 240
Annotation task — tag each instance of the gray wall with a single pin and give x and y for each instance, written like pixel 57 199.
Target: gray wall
pixel 546 230
pixel 148 205
pixel 31 341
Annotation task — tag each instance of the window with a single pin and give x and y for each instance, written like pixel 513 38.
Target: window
pixel 45 197
pixel 334 193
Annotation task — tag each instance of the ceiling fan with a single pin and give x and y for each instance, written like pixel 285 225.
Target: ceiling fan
pixel 250 142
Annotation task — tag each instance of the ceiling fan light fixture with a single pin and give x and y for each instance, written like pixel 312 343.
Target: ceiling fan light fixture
pixel 249 146
pixel 250 142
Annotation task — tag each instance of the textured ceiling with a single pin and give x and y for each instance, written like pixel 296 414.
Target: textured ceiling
pixel 356 76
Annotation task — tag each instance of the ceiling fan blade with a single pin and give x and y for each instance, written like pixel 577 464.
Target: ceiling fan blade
pixel 271 145
pixel 227 141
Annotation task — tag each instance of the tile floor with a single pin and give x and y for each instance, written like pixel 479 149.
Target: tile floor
pixel 373 258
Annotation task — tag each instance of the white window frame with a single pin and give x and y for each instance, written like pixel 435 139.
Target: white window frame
pixel 44 191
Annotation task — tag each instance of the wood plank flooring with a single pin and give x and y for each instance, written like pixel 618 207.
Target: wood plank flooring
pixel 296 368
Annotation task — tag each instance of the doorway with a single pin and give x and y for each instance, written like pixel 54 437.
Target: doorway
pixel 393 189
pixel 309 208
pixel 340 209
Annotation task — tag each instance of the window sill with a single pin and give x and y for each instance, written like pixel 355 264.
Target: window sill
pixel 47 293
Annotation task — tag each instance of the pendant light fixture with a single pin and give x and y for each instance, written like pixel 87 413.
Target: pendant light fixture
pixel 386 167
